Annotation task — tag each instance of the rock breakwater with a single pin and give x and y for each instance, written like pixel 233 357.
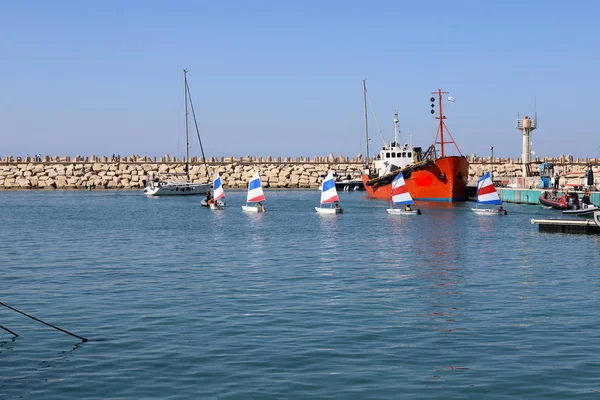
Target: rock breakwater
pixel 301 172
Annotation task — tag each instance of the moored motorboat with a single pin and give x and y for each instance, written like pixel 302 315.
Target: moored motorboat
pixel 583 212
pixel 350 185
pixel 566 201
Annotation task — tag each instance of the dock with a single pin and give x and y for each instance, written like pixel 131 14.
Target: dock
pixel 569 225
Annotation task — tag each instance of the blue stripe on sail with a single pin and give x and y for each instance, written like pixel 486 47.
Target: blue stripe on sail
pixel 255 184
pixel 328 185
pixel 404 202
pixel 498 201
pixel 217 183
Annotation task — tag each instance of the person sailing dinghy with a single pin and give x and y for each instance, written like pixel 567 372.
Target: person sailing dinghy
pixel 255 195
pixel 401 195
pixel 487 194
pixel 329 196
pixel 214 201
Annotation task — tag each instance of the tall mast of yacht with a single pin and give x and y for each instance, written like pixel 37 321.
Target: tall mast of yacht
pixel 364 83
pixel 187 139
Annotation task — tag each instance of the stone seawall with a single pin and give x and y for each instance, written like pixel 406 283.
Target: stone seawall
pixel 132 172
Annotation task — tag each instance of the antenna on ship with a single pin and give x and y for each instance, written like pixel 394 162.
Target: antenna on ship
pixel 442 124
pixel 396 127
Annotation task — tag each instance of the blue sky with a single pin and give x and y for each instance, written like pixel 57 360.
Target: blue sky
pixel 283 78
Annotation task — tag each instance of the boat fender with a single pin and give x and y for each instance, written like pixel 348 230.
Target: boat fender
pixel 418 212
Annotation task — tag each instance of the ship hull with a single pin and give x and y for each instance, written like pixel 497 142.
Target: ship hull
pixel 443 180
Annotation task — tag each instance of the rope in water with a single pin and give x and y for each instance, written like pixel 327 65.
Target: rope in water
pixel 9 331
pixel 45 323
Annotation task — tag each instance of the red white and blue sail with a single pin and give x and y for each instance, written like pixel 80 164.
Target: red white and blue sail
pixel 218 192
pixel 255 190
pixel 328 192
pixel 486 192
pixel 400 194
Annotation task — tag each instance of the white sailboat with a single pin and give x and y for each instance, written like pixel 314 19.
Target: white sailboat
pixel 487 194
pixel 329 196
pixel 156 186
pixel 401 195
pixel 255 195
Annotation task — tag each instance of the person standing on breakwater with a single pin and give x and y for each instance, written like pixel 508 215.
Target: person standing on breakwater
pixel 556 181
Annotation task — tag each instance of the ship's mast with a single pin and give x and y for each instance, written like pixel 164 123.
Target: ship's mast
pixel 396 127
pixel 187 139
pixel 441 118
pixel 442 125
pixel 364 84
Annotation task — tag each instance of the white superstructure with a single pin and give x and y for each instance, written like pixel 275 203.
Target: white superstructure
pixel 393 156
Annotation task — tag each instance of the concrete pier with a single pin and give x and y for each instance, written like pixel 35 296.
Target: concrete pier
pixel 531 196
pixel 567 225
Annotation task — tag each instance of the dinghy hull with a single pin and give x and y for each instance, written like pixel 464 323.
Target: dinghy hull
pixel 398 211
pixel 252 209
pixel 331 211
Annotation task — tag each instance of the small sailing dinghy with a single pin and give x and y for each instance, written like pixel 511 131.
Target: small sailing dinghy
pixel 215 203
pixel 255 195
pixel 401 195
pixel 486 194
pixel 329 196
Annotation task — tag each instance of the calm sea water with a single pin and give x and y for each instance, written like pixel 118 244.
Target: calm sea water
pixel 180 302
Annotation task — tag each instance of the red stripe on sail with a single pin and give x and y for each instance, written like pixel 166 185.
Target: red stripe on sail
pixel 399 190
pixel 257 198
pixel 331 200
pixel 487 189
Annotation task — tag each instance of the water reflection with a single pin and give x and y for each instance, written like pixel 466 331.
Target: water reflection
pixel 23 379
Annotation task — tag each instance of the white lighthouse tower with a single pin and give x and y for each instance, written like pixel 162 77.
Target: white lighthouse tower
pixel 526 125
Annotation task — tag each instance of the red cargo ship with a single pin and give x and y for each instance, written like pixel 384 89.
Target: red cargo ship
pixel 427 176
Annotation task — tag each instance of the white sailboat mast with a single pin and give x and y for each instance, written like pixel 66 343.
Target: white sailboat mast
pixel 364 82
pixel 187 139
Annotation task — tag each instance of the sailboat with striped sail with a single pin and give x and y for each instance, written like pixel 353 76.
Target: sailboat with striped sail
pixel 329 196
pixel 218 193
pixel 401 196
pixel 487 195
pixel 255 195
